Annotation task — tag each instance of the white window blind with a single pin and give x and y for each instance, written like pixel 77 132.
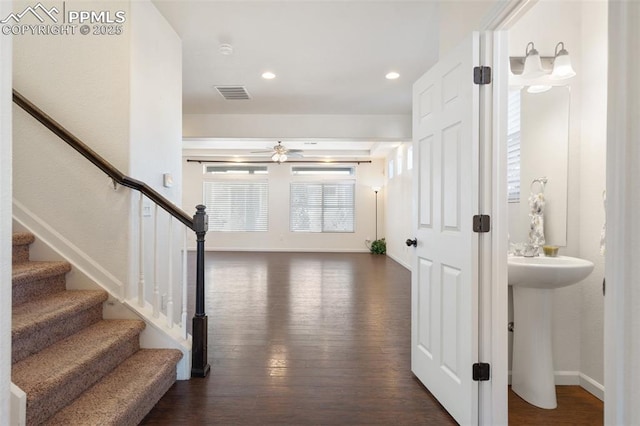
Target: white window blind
pixel 237 206
pixel 322 207
pixel 513 147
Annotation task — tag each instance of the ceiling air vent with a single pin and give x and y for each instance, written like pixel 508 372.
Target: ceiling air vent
pixel 233 93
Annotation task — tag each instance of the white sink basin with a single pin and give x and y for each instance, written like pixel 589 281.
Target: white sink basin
pixel 547 272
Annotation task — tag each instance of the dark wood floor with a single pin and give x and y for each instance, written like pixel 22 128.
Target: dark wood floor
pixel 307 338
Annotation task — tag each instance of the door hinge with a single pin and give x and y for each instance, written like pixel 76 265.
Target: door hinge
pixel 481 372
pixel 482 75
pixel 481 223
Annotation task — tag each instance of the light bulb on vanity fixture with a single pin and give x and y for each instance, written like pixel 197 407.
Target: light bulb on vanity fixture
pixel 562 68
pixel 532 64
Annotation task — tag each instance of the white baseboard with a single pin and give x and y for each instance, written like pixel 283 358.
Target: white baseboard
pixel 567 378
pixel 283 250
pixel 592 386
pixel 18 406
pixel 397 260
pixel 576 378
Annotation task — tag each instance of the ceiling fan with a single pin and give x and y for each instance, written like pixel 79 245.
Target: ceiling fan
pixel 280 153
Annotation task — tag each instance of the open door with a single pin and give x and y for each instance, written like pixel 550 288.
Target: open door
pixel 444 306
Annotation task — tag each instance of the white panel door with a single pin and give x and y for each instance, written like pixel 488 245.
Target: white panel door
pixel 444 307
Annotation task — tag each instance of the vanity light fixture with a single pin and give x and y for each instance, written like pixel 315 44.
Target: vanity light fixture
pixel 562 68
pixel 532 63
pixel 540 73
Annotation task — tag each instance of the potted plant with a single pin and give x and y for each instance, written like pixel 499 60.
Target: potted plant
pixel 378 246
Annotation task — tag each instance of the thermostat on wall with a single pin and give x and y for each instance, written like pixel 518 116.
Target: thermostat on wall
pixel 167 180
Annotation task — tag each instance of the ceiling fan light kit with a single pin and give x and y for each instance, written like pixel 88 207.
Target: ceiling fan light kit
pixel 280 153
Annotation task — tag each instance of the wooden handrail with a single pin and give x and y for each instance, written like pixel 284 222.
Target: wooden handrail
pixel 198 223
pixel 100 162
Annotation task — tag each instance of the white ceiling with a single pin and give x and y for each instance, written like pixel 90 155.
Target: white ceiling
pixel 330 57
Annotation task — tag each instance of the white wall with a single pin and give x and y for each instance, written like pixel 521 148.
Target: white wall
pixel 276 126
pixel 5 218
pixel 121 95
pixel 592 178
pixel 155 129
pixel 82 82
pixel 398 192
pixel 458 18
pixel 577 344
pixel 279 238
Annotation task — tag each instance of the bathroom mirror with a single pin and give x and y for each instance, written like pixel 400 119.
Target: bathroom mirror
pixel 544 151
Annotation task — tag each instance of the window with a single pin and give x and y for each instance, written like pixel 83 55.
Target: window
pixel 237 205
pixel 390 168
pixel 513 147
pixel 410 157
pixel 322 171
pixel 322 207
pixel 236 170
pixel 399 160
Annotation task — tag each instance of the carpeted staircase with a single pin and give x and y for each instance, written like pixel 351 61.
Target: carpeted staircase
pixel 75 367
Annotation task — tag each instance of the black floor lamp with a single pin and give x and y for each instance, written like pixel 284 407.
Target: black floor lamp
pixel 376 189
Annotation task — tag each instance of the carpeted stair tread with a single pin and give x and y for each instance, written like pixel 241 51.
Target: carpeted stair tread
pixel 55 376
pixel 20 247
pixel 34 280
pixel 37 314
pixel 42 322
pixel 28 271
pixel 126 395
pixel 22 238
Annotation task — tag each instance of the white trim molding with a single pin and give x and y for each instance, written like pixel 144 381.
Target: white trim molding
pixel 622 299
pixel 593 387
pixel 6 175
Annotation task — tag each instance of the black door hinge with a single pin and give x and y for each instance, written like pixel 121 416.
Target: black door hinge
pixel 482 75
pixel 481 372
pixel 481 223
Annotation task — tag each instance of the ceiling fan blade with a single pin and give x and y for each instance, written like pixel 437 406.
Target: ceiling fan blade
pixel 295 150
pixel 270 151
pixel 295 154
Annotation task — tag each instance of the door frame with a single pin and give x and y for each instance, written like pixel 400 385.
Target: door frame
pixel 493 291
pixel 622 271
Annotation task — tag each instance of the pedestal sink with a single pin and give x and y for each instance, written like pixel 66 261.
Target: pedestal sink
pixel 533 280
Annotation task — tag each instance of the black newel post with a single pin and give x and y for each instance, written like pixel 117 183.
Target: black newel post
pixel 199 365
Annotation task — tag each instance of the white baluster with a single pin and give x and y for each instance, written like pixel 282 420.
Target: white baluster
pixel 156 291
pixel 183 320
pixel 141 252
pixel 170 295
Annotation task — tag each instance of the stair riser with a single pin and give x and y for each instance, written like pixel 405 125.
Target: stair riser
pixel 41 407
pixel 20 254
pixel 35 289
pixel 54 331
pixel 135 414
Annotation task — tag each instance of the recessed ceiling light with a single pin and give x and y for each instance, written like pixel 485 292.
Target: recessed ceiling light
pixel 392 75
pixel 268 75
pixel 225 49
